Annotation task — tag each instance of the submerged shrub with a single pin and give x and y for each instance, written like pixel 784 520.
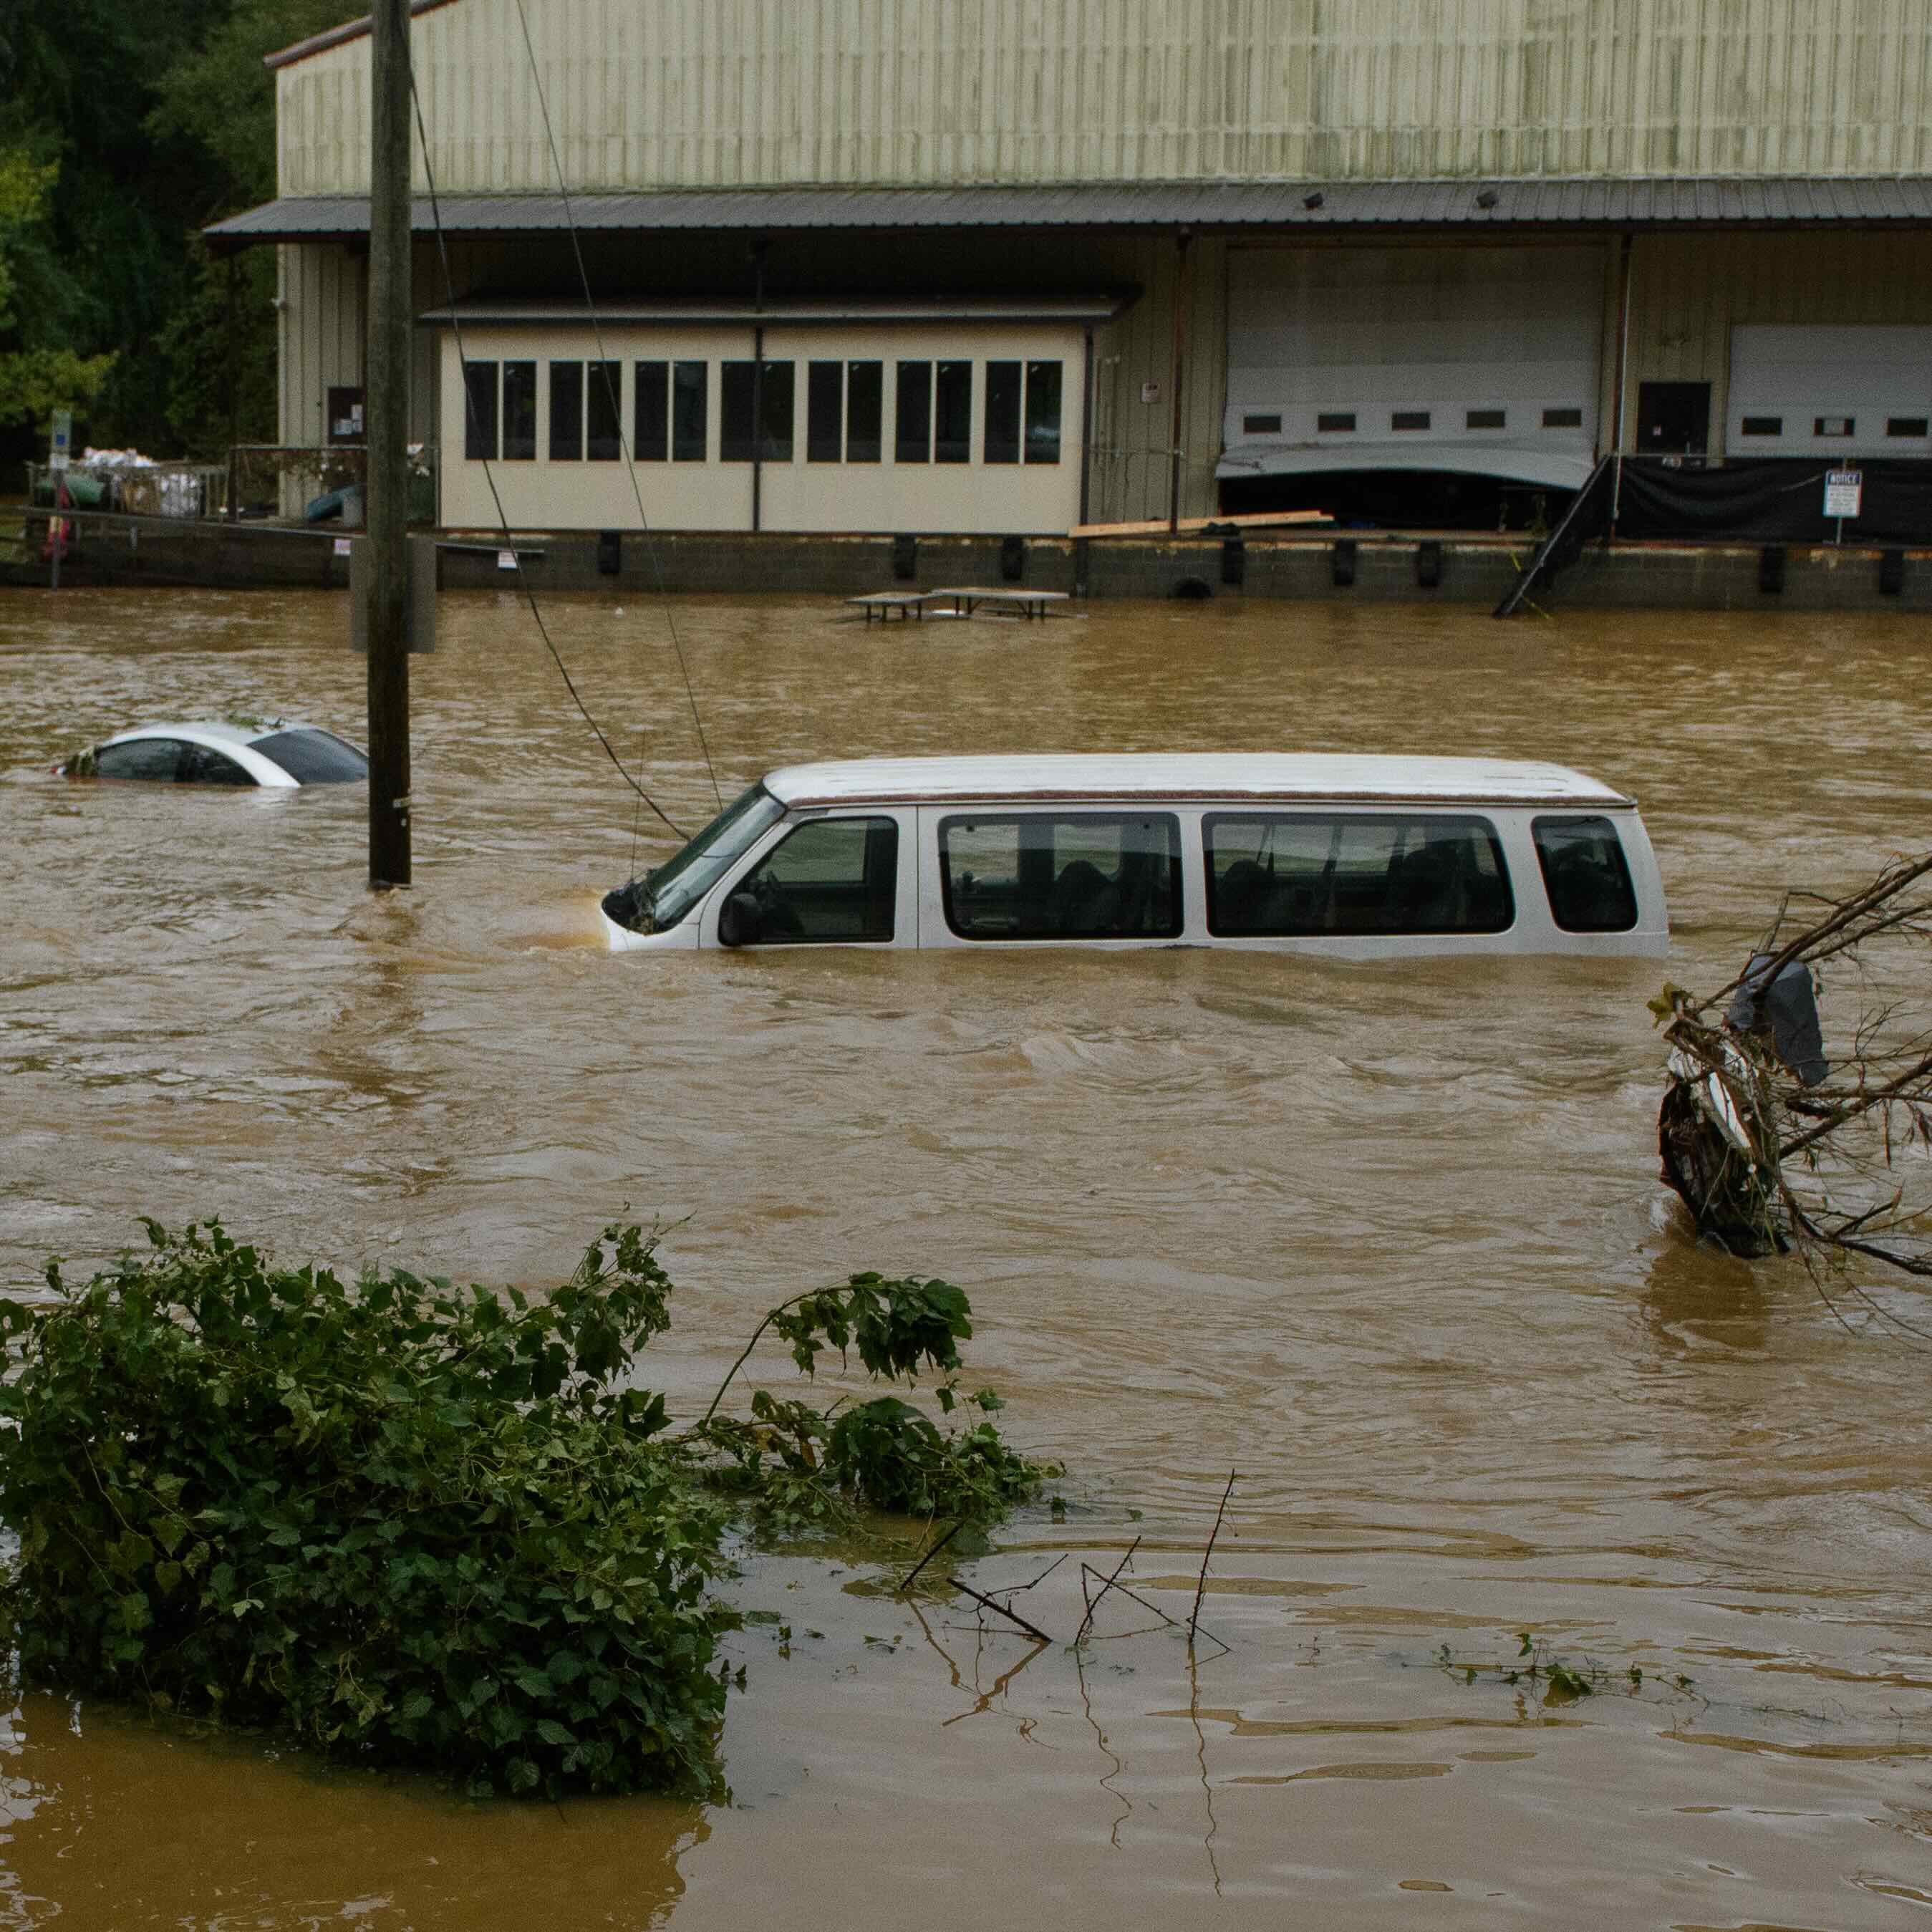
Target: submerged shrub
pixel 404 1521
pixel 416 1524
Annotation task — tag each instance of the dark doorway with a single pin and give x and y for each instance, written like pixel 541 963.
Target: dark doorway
pixel 1405 499
pixel 1673 418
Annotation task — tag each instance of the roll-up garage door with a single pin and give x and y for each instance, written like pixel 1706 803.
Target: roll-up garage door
pixel 1479 360
pixel 1813 390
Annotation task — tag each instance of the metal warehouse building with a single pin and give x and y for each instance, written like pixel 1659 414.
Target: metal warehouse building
pixel 1008 265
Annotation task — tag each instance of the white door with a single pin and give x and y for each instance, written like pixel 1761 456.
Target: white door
pixel 1482 360
pixel 1815 390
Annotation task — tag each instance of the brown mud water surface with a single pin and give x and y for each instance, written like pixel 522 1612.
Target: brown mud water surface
pixel 1389 1240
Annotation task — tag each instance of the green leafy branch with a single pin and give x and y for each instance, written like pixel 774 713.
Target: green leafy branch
pixel 1561 1680
pixel 414 1523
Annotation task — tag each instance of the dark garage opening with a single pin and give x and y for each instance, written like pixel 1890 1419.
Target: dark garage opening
pixel 1433 499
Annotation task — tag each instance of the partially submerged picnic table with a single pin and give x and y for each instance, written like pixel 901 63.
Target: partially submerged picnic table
pixel 887 604
pixel 963 599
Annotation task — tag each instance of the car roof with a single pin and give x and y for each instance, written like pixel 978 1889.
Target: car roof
pixel 220 732
pixel 1347 778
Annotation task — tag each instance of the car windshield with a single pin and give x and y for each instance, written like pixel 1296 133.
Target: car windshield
pixel 678 884
pixel 314 758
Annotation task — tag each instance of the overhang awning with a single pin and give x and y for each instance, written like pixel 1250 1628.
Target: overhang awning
pixel 1304 207
pixel 1516 463
pixel 482 312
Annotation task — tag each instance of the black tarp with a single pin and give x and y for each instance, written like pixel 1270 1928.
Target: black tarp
pixel 1775 499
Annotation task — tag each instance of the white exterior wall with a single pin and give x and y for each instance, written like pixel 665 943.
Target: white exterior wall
pixel 647 93
pixel 1022 498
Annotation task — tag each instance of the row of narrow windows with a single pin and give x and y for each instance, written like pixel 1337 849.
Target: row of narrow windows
pixel 1342 422
pixel 845 412
pixel 1837 426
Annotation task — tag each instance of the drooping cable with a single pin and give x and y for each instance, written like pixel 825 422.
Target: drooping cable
pixel 489 475
pixel 604 365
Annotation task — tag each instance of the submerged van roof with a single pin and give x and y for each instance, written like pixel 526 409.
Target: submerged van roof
pixel 1364 779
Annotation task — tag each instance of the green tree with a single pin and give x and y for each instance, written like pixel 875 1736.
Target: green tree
pixel 39 374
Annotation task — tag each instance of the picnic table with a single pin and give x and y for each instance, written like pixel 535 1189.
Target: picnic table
pixel 886 605
pixel 1030 604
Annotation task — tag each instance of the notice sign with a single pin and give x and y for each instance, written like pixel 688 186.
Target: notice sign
pixel 1843 489
pixel 61 439
pixel 344 548
pixel 506 560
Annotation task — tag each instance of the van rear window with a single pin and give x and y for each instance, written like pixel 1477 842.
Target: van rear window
pixel 1585 874
pixel 1088 875
pixel 1292 875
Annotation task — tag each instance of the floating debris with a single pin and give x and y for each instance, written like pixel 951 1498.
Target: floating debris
pixel 1772 1144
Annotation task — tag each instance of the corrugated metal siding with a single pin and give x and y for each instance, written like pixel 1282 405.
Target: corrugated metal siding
pixel 1687 292
pixel 323 326
pixel 646 93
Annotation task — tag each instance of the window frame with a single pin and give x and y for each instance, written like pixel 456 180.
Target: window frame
pixel 603 410
pixel 564 443
pixel 1571 819
pixel 1048 373
pixel 864 397
pixel 946 821
pixel 690 440
pixel 912 407
pixel 768 849
pixel 1003 421
pixel 481 414
pixel 517 370
pixel 650 409
pixel 1337 819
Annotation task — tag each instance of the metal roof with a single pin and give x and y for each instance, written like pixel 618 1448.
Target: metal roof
pixel 483 313
pixel 1311 777
pixel 1306 207
pixel 350 30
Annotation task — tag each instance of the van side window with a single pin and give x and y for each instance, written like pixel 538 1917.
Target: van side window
pixel 831 879
pixel 1277 874
pixel 1088 875
pixel 1586 874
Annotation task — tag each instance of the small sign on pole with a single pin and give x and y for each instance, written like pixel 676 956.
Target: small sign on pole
pixel 1843 489
pixel 60 440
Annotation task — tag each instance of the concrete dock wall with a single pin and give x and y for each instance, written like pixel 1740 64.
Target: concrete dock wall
pixel 163 551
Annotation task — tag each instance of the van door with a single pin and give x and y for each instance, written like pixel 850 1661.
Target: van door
pixel 846 878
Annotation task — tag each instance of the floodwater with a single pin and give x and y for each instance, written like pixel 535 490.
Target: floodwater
pixel 1386 1240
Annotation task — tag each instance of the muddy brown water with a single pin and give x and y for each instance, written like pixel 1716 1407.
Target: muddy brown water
pixel 1387 1239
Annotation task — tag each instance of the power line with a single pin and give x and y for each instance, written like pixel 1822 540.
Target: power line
pixel 489 474
pixel 616 411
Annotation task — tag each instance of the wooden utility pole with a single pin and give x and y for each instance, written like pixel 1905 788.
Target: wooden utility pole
pixel 386 487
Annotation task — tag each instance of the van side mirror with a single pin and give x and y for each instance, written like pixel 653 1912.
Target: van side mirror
pixel 739 921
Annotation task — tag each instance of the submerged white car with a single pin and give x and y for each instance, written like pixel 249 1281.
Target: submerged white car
pixel 274 753
pixel 1364 857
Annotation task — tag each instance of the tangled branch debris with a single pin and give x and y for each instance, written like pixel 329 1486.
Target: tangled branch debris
pixel 1773 1145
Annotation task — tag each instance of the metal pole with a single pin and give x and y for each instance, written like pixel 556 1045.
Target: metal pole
pixel 1622 381
pixel 1176 371
pixel 385 474
pixel 758 248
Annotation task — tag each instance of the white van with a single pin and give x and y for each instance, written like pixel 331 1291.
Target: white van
pixel 1367 858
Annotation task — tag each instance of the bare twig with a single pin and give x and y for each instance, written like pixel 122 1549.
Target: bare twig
pixel 1012 1616
pixel 1200 1586
pixel 906 1585
pixel 1014 1589
pixel 1093 1602
pixel 1133 1596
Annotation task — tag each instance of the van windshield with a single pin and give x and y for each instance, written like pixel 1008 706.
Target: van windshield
pixel 681 881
